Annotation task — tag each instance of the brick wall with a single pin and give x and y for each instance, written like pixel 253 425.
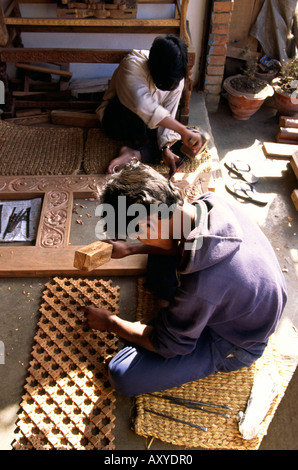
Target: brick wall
pixel 217 51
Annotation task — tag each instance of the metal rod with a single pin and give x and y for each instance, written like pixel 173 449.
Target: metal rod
pixel 202 428
pixel 191 404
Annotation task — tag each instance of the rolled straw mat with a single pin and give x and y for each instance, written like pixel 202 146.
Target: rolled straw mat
pixel 232 389
pixel 100 150
pixel 26 150
pixel 68 402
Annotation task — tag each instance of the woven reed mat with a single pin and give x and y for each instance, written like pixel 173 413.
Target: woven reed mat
pixel 26 150
pixel 232 389
pixel 100 150
pixel 68 401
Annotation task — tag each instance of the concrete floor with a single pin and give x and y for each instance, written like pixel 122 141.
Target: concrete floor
pixel 20 298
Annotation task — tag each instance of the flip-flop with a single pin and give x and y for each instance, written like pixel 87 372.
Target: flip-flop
pixel 246 191
pixel 242 170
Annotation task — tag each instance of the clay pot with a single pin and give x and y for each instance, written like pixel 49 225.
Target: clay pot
pixel 267 77
pixel 286 104
pixel 244 105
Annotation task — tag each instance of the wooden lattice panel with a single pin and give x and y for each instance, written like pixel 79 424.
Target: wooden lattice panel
pixel 68 402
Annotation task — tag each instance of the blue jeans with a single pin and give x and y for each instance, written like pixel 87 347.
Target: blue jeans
pixel 135 370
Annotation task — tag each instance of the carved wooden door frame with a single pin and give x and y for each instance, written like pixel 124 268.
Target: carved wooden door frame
pixel 52 255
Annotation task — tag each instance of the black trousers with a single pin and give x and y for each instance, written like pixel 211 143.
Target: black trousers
pixel 120 123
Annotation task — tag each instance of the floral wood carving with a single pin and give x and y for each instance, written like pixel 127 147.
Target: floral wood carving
pixel 58 193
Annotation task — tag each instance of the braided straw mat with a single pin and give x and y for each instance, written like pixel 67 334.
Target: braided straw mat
pixel 232 389
pixel 68 401
pixel 100 150
pixel 26 150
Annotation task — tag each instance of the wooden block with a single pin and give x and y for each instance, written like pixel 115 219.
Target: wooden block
pixel 122 13
pixel 93 255
pixel 31 120
pixel 285 121
pixel 80 13
pixel 294 197
pixel 77 119
pixel 294 163
pixel 283 151
pixel 189 153
pixel 28 112
pixel 287 134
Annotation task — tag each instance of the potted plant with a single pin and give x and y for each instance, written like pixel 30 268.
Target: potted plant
pixel 286 88
pixel 246 92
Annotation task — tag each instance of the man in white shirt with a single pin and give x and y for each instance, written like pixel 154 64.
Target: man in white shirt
pixel 141 103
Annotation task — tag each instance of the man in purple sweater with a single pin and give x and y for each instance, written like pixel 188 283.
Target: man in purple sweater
pixel 221 288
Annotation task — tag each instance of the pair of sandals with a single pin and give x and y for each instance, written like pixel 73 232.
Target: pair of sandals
pixel 244 189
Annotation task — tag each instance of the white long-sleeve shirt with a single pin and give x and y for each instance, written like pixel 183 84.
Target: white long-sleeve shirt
pixel 134 86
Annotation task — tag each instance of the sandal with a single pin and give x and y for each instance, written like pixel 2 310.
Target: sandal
pixel 242 170
pixel 245 191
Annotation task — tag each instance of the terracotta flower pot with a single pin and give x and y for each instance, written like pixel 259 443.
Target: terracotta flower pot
pixel 243 105
pixel 287 105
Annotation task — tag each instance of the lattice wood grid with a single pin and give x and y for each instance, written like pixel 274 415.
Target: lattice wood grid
pixel 68 401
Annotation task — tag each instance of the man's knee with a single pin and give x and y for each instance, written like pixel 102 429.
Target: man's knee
pixel 120 378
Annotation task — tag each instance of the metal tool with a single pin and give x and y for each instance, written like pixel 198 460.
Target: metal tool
pixel 202 428
pixel 197 405
pixel 182 160
pixel 15 219
pixel 81 297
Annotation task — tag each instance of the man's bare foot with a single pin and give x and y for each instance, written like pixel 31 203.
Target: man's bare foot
pixel 126 154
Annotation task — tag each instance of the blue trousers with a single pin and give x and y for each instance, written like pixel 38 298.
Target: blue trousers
pixel 135 370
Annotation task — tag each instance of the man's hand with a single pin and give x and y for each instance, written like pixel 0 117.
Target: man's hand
pixel 170 159
pixel 134 332
pixel 98 318
pixel 192 140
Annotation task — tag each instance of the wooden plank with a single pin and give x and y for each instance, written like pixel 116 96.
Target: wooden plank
pixel 31 261
pixel 294 197
pixel 62 22
pixel 283 151
pixel 63 55
pixel 57 104
pixel 294 163
pixel 47 70
pixel 31 119
pixel 77 119
pixel 287 134
pixel 4 36
pixel 238 52
pixel 285 121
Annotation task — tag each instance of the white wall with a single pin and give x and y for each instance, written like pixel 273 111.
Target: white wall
pixel 196 11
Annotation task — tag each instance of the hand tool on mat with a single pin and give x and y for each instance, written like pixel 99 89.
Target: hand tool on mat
pixel 202 428
pixel 196 405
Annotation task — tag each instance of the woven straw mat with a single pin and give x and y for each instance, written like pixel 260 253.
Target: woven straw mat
pixel 100 150
pixel 232 389
pixel 26 150
pixel 68 402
